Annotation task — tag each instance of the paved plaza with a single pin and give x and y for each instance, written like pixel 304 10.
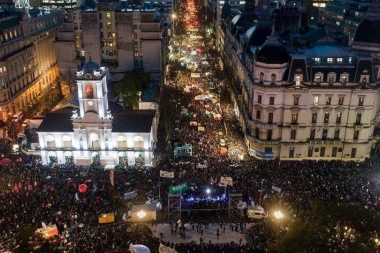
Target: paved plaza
pixel 209 234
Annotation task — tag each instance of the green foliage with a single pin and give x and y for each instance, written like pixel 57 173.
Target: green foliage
pixel 129 87
pixel 168 109
pixel 51 97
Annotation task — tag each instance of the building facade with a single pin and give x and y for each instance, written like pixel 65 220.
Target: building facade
pixel 121 39
pixel 97 132
pixel 320 102
pixel 28 64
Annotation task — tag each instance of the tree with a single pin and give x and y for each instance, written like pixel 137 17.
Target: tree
pixel 168 110
pixel 130 86
pixel 67 80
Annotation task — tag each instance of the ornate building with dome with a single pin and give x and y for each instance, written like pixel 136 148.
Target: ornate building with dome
pixel 317 102
pixel 96 131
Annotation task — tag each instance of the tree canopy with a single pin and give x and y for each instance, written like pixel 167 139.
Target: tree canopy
pixel 130 86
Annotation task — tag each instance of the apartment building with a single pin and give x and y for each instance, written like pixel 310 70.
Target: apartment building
pixel 28 65
pixel 119 38
pixel 320 102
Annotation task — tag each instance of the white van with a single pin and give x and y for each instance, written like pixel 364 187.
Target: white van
pixel 17 116
pixel 257 212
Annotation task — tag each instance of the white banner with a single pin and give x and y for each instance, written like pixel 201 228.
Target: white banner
pixel 201 166
pixel 166 174
pixel 166 249
pixel 276 189
pixel 226 180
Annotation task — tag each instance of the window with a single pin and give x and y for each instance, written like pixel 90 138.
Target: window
pixel 108 14
pixel 269 134
pixel 273 79
pixel 339 60
pixel 294 118
pixel 257 133
pixel 338 117
pixel 89 91
pixel 296 100
pixel 356 134
pixel 291 152
pixel 261 77
pixel 310 151
pixel 343 80
pixel 358 119
pixel 258 114
pixel 336 134
pixel 328 100
pixel 324 134
pixel 259 97
pixel 271 100
pixel 331 80
pixel 268 150
pixel 109 25
pixel 298 80
pixel 361 101
pixel 316 100
pixel 340 100
pixel 326 118
pixel 314 117
pixel 318 80
pixel 270 118
pixel 330 60
pixel 293 134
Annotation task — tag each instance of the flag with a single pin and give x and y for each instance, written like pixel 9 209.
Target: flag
pixel 166 174
pixel 112 177
pixel 165 249
pixel 226 180
pixel 276 189
pixel 179 188
pixel 130 195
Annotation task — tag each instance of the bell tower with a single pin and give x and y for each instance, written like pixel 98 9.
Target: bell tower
pixel 92 90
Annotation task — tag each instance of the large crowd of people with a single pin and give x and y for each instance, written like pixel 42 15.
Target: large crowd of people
pixel 33 195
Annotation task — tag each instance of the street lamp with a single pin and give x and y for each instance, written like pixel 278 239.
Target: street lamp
pixel 278 215
pixel 173 20
pixel 141 214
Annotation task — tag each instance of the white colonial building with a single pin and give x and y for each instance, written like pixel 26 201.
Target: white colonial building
pixel 97 132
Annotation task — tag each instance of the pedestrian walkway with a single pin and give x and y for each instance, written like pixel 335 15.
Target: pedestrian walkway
pixel 209 234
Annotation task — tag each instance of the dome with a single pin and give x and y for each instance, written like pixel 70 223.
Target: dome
pixel 368 32
pixel 272 52
pixel 256 36
pixel 90 67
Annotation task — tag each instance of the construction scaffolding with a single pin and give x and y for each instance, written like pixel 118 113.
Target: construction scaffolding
pixel 174 207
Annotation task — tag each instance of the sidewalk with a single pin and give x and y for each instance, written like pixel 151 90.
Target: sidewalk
pixel 209 234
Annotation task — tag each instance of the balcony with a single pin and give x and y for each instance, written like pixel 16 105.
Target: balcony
pixel 324 142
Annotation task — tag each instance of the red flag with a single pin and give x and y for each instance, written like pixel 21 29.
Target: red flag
pixel 15 188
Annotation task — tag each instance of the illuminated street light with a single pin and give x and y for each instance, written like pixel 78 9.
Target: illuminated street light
pixel 278 215
pixel 141 214
pixel 208 191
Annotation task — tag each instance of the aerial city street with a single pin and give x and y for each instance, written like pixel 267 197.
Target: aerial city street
pixel 189 126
